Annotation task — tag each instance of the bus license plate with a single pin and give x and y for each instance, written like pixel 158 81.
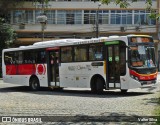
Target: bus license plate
pixel 149 82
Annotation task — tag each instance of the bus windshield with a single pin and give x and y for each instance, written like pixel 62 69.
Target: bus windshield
pixel 142 56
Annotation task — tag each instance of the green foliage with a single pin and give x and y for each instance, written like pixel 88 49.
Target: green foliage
pixel 125 3
pixel 7 34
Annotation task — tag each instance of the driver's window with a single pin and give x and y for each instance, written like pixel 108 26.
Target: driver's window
pixel 135 57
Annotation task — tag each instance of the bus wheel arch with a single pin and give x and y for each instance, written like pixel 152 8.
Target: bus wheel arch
pixel 34 83
pixel 97 83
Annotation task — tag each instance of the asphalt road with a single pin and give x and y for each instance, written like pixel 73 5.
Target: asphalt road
pixel 19 101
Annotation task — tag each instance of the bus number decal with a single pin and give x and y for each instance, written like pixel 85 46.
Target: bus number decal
pixel 79 67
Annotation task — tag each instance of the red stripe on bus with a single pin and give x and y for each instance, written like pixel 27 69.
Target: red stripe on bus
pixel 11 70
pixel 21 69
pixel 143 76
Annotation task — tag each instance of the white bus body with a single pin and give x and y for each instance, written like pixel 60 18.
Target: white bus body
pixel 100 63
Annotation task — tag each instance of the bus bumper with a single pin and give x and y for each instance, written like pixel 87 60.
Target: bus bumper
pixel 145 84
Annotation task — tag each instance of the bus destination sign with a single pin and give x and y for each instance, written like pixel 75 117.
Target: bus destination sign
pixel 141 39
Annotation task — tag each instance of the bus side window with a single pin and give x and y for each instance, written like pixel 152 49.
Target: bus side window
pixel 8 58
pixel 15 57
pixel 80 53
pixel 28 57
pixel 66 54
pixel 11 58
pixel 20 57
pixel 40 57
pixel 95 52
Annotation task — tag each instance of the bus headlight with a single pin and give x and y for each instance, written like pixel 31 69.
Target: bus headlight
pixel 136 78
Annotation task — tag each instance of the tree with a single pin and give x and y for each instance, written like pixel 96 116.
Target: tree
pixel 126 3
pixel 7 34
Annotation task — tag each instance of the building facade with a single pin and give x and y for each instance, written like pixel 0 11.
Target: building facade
pixel 81 19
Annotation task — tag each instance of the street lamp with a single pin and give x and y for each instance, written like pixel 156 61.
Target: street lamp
pixel 97 20
pixel 43 21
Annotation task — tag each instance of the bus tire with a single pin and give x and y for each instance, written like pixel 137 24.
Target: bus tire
pixel 93 88
pixel 34 84
pixel 99 85
pixel 124 91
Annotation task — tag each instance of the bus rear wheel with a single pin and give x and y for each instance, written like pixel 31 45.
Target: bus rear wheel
pixel 34 84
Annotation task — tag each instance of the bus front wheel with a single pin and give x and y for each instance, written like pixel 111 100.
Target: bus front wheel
pixel 99 85
pixel 93 88
pixel 34 84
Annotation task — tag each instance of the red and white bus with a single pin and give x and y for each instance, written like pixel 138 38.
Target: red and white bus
pixel 115 62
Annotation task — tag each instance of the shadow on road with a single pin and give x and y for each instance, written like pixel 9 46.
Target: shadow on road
pixel 110 117
pixel 69 92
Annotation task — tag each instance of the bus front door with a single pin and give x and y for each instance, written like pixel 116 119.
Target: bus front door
pixel 113 66
pixel 53 68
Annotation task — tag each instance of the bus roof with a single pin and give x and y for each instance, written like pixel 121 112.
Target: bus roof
pixel 65 42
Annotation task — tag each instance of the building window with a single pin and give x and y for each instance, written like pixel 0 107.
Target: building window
pixel 23 16
pixel 50 16
pixel 141 17
pixel 29 16
pixel 18 16
pixel 61 17
pixel 89 16
pixel 104 17
pixel 121 17
pixel 70 17
pixel 114 17
pixel 126 17
pixel 78 17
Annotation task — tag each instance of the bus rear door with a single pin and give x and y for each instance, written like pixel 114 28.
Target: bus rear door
pixel 53 66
